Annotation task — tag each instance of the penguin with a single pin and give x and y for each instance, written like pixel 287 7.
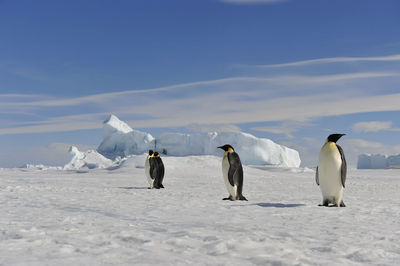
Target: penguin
pixel 148 168
pixel 232 172
pixel 154 170
pixel 331 172
pixel 158 171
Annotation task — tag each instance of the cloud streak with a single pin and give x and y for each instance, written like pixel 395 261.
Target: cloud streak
pixel 291 100
pixel 374 126
pixel 330 60
pixel 259 85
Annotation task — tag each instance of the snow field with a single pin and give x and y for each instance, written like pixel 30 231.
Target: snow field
pixel 109 217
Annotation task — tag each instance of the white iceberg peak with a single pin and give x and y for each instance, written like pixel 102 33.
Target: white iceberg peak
pixel 113 124
pixel 121 140
pixel 90 159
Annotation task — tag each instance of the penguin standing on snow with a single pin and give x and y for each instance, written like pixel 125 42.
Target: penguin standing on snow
pixel 147 168
pixel 158 171
pixel 154 170
pixel 331 172
pixel 232 172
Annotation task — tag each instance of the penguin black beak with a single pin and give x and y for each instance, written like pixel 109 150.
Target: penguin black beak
pixel 220 147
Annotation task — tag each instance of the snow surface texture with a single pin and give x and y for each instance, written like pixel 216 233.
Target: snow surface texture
pixel 121 140
pixel 104 217
pixel 378 161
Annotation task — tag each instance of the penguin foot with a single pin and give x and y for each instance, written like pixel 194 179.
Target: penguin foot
pixel 228 198
pixel 161 186
pixel 242 198
pixel 342 204
pixel 325 203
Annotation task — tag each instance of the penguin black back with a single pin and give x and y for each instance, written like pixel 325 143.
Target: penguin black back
pixel 160 170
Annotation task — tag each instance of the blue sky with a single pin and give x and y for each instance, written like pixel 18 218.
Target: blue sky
pixel 293 71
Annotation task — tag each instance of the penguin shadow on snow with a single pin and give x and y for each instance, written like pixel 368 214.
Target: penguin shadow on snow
pixel 133 187
pixel 278 205
pixel 274 205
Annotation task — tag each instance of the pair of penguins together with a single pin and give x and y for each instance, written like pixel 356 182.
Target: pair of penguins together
pixel 232 171
pixel 330 173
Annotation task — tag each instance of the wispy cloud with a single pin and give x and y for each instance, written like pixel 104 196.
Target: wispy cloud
pixel 214 127
pixel 374 126
pixel 395 57
pixel 285 128
pixel 231 87
pixel 219 103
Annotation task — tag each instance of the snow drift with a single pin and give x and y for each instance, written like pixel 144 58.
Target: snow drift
pixel 120 141
pixel 378 161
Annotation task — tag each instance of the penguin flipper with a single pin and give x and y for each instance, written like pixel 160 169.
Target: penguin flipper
pixel 317 176
pixel 343 169
pixel 160 172
pixel 153 168
pixel 160 166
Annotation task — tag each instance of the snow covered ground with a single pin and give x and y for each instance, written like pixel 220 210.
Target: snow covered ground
pixel 109 217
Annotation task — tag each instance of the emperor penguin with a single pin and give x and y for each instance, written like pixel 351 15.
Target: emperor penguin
pixel 154 170
pixel 159 171
pixel 149 163
pixel 331 172
pixel 232 172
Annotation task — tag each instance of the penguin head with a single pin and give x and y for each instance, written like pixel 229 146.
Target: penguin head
pixel 227 147
pixel 334 137
pixel 156 154
pixel 151 152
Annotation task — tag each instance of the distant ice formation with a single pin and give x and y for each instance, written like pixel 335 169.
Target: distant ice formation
pixel 120 141
pixel 90 159
pixel 378 161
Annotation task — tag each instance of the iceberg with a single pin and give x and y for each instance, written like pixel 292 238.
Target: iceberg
pixel 120 140
pixel 90 159
pixel 378 161
pixel 252 150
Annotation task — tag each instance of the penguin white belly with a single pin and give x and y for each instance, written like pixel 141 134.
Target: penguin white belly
pixel 225 169
pixel 329 173
pixel 147 171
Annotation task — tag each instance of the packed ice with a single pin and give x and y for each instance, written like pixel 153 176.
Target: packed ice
pixel 378 161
